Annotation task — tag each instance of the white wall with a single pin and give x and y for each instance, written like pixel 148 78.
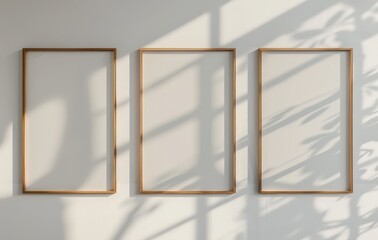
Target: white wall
pixel 244 24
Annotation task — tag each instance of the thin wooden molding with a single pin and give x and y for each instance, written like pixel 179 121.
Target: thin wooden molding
pixel 233 84
pixel 70 49
pixel 188 50
pixel 188 192
pixel 68 192
pixel 304 192
pixel 349 121
pixel 24 87
pixel 304 49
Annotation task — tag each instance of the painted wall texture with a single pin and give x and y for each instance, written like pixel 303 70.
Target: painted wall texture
pixel 244 24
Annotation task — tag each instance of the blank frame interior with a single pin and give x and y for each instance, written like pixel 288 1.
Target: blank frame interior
pixel 187 121
pixel 69 120
pixel 305 120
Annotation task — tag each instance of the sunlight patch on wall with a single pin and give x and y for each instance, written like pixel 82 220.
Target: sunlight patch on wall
pixel 333 208
pixel 196 27
pixel 368 164
pixel 53 132
pixel 234 26
pixel 275 204
pixel 6 152
pixel 370 80
pixel 322 29
pixel 367 212
pixel 372 14
pixel 180 222
pixel 334 211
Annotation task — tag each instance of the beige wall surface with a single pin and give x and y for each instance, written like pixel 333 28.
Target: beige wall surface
pixel 243 24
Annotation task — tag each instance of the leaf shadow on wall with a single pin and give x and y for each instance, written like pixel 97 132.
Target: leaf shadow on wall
pixel 312 217
pixel 309 220
pixel 288 217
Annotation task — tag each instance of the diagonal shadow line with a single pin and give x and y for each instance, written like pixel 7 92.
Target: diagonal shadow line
pixel 272 127
pixel 284 77
pixel 166 19
pixel 281 23
pixel 297 166
pixel 170 76
pixel 285 29
pixel 188 219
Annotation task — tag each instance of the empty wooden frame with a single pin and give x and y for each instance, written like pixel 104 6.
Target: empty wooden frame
pixel 69 120
pixel 187 121
pixel 305 120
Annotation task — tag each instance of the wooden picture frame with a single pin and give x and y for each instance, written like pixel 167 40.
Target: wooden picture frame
pixel 232 174
pixel 284 116
pixel 107 115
